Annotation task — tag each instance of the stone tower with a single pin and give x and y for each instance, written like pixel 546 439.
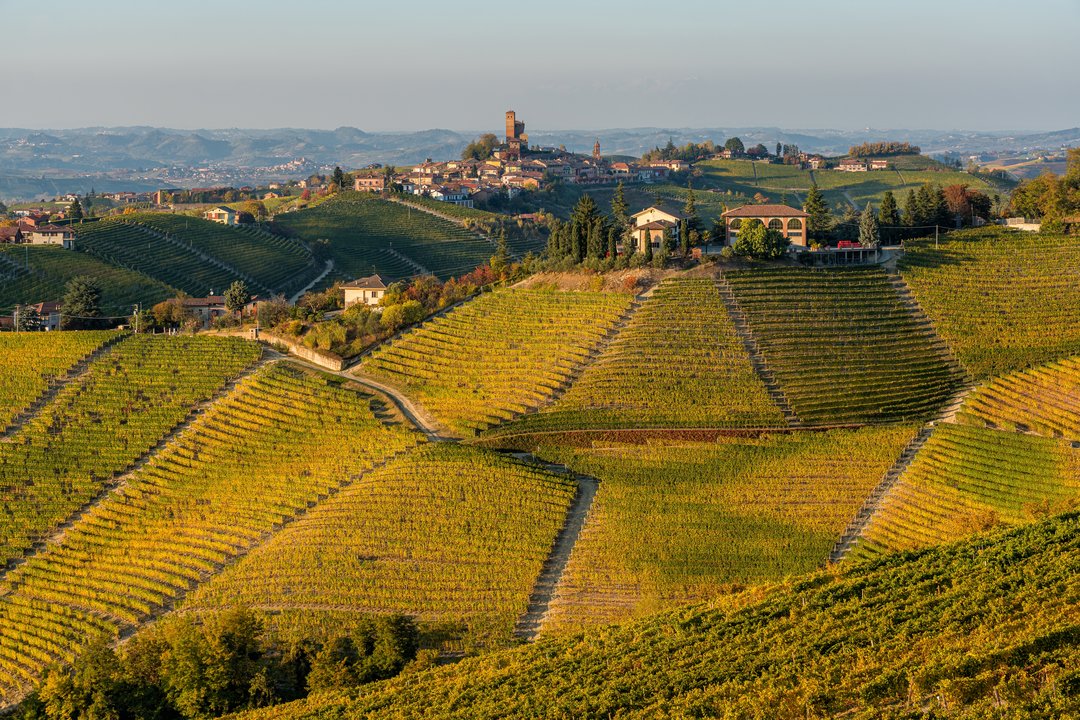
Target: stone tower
pixel 596 150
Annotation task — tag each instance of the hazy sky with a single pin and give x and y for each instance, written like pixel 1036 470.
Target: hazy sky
pixel 562 64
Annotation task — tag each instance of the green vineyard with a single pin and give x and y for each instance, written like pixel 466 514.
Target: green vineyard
pixel 255 461
pixel 1044 400
pixel 843 345
pixel 1003 300
pixel 30 363
pixel 678 363
pixel 761 509
pixel 29 275
pixel 444 533
pixel 98 426
pixel 366 235
pixel 968 479
pixel 499 356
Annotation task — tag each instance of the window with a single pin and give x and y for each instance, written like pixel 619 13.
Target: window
pixel 775 224
pixel 735 224
pixel 794 224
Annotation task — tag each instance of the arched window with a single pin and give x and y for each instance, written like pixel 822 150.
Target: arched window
pixel 735 224
pixel 775 224
pixel 794 224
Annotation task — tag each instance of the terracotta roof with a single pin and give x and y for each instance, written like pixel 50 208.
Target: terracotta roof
pixel 673 213
pixel 204 301
pixel 374 282
pixel 759 211
pixel 10 232
pixel 656 225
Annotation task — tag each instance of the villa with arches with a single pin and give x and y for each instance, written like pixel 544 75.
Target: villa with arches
pixel 788 220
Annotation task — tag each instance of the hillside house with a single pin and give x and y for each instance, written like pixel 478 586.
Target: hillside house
pixel 654 225
pixel 852 165
pixel 51 235
pixel 48 314
pixel 221 214
pixel 369 183
pixel 791 222
pixel 12 235
pixel 366 290
pixel 879 164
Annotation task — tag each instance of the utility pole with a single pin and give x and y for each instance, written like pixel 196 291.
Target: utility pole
pixel 136 318
pixel 935 237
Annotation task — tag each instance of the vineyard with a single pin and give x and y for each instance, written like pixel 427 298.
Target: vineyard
pixel 98 426
pixel 29 275
pixel 499 356
pixel 30 363
pixel 446 532
pixel 843 345
pixel 197 255
pixel 366 235
pixel 678 363
pixel 1044 400
pixel 980 629
pixel 1003 300
pixel 966 480
pixel 684 522
pixel 253 462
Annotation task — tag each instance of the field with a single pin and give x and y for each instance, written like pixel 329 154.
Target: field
pixel 843 345
pixel 1044 400
pixel 191 509
pixel 789 184
pixel 364 235
pixel 498 356
pixel 980 629
pixel 31 363
pixel 968 479
pixel 678 363
pixel 683 522
pixel 50 269
pixel 1003 300
pixel 446 533
pixel 98 426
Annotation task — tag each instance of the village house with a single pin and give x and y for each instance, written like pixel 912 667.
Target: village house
pixel 50 235
pixel 221 214
pixel 791 222
pixel 48 315
pixel 852 165
pixel 881 164
pixel 654 225
pixel 12 235
pixel 366 290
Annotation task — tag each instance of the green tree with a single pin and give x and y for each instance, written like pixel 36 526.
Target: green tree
pixel 648 254
pixel 75 212
pixel 757 241
pixel 660 259
pixel 481 148
pixel 26 318
pixel 693 220
pixel 582 220
pixel 339 176
pixel 237 296
pixel 889 212
pixel 735 145
pixel 719 231
pixel 819 224
pixel 910 217
pixel 619 209
pixel 684 237
pixel 869 233
pixel 501 259
pixel 612 241
pixel 81 304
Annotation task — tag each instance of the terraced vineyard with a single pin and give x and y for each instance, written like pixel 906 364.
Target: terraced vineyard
pixel 1044 400
pixel 256 460
pixel 1003 300
pixel 444 533
pixel 367 235
pixel 682 522
pixel 31 362
pixel 967 479
pixel 50 269
pixel 498 356
pixel 101 424
pixel 981 629
pixel 843 346
pixel 678 363
pixel 273 261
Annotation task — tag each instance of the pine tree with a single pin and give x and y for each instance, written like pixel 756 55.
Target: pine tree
pixel 869 233
pixel 820 221
pixel 888 213
pixel 81 304
pixel 925 212
pixel 75 212
pixel 910 217
pixel 620 211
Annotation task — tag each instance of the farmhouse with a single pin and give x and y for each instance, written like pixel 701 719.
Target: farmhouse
pixel 653 224
pixel 881 164
pixel 221 214
pixel 791 222
pixel 370 183
pixel 51 235
pixel 367 290
pixel 49 314
pixel 206 309
pixel 852 165
pixel 12 234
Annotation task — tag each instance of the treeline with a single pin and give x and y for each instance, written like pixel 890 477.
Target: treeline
pixel 690 152
pixel 1049 196
pixel 189 670
pixel 868 149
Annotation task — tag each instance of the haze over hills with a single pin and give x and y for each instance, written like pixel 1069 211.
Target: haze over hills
pixel 36 162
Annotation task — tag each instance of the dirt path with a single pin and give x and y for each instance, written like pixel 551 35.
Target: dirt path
pixel 547 584
pixel 299 293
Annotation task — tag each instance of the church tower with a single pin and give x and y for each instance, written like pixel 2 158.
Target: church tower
pixel 596 150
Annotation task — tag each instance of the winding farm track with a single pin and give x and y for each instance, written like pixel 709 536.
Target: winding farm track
pixel 299 293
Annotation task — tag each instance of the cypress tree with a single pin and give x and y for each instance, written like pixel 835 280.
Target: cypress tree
pixel 619 209
pixel 612 242
pixel 693 221
pixel 820 222
pixel 648 246
pixel 684 237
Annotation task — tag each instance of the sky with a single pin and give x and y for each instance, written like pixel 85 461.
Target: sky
pixel 562 64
